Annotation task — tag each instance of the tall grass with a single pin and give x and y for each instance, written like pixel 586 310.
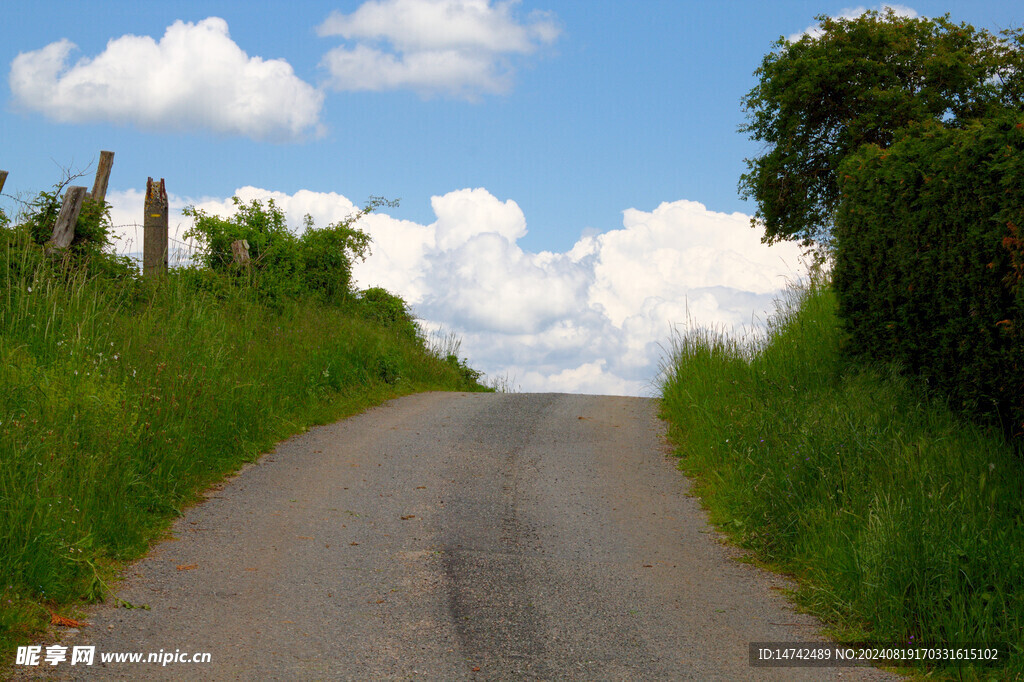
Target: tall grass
pixel 902 523
pixel 121 399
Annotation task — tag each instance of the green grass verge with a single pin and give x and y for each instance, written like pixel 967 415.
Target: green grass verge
pixel 900 521
pixel 121 400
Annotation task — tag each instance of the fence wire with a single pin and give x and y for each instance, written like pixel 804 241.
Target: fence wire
pixel 179 253
pixel 128 241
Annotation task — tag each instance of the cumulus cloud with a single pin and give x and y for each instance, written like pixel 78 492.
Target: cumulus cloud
pixel 194 77
pixel 457 47
pixel 595 318
pixel 814 30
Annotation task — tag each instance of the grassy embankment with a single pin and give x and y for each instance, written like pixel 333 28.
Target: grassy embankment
pixel 901 522
pixel 121 399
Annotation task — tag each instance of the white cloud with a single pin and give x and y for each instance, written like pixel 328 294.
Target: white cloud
pixel 814 30
pixel 195 77
pixel 593 319
pixel 416 25
pixel 458 47
pixel 466 213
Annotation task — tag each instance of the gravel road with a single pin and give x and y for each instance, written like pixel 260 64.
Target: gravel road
pixel 448 536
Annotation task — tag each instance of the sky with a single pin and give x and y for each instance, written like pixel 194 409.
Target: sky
pixel 566 171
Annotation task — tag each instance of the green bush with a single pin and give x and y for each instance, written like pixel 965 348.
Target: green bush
pixel 89 249
pixel 929 261
pixel 382 306
pixel 327 256
pixel 91 229
pixel 316 264
pixel 469 375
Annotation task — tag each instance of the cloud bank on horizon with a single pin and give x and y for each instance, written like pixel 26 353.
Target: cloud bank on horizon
pixel 594 319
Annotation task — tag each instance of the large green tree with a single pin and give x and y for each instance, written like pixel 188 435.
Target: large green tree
pixel 860 81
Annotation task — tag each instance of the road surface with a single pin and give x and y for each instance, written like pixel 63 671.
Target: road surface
pixel 447 536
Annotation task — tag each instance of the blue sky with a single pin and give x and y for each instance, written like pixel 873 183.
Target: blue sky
pixel 532 145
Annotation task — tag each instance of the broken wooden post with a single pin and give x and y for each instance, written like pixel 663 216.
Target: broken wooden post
pixel 240 252
pixel 154 229
pixel 64 228
pixel 99 187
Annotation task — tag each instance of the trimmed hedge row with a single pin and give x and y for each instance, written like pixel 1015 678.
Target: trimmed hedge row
pixel 929 262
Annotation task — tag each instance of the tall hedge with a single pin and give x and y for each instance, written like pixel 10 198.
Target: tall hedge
pixel 929 261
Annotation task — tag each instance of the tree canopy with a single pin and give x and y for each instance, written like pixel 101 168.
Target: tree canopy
pixel 860 81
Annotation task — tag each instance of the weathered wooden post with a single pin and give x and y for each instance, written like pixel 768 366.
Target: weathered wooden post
pixel 154 229
pixel 240 252
pixel 99 187
pixel 64 228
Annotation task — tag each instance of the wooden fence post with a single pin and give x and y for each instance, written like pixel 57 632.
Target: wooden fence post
pixel 154 229
pixel 240 252
pixel 3 179
pixel 64 228
pixel 99 187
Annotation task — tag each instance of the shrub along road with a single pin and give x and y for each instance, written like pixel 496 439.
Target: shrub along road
pixel 454 536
